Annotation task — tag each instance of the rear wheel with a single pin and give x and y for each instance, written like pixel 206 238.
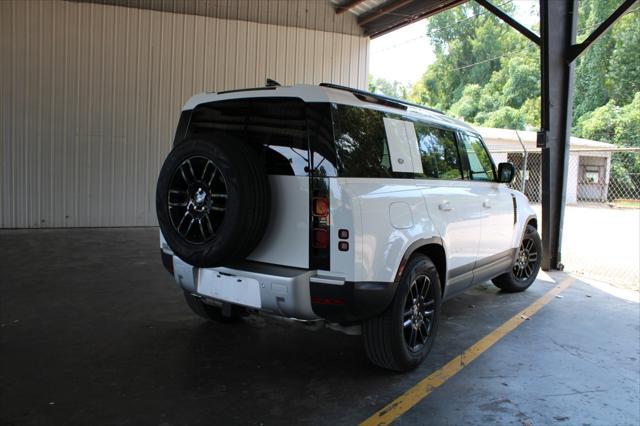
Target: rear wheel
pixel 213 312
pixel 401 338
pixel 526 265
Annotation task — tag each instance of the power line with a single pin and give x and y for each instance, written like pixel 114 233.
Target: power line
pixel 487 60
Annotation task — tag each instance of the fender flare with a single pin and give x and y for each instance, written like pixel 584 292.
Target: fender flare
pixel 413 247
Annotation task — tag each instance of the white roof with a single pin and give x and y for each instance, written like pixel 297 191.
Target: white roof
pixel 507 140
pixel 312 93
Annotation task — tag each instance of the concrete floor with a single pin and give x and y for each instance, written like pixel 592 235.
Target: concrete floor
pixel 612 256
pixel 93 331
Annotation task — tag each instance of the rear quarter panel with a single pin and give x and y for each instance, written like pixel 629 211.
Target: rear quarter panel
pixel 387 216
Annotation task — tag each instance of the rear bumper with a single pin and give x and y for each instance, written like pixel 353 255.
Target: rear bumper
pixel 288 292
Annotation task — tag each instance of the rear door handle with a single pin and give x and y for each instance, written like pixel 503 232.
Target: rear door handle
pixel 486 204
pixel 445 206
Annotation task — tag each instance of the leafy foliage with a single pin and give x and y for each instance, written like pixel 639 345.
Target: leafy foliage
pixel 385 87
pixel 487 74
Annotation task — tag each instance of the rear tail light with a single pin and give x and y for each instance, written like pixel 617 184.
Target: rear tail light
pixel 319 221
pixel 320 238
pixel 320 207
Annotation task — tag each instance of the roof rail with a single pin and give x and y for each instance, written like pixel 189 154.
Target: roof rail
pixel 380 99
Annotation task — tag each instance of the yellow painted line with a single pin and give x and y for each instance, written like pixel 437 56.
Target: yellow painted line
pixel 405 402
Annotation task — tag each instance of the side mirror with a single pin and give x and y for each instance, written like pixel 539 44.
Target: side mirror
pixel 506 172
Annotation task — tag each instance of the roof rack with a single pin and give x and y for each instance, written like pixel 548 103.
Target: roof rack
pixel 379 99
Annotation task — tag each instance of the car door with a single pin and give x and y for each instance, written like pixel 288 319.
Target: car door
pixel 495 203
pixel 452 202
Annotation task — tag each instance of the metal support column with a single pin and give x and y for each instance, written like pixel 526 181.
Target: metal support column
pixel 558 51
pixel 558 22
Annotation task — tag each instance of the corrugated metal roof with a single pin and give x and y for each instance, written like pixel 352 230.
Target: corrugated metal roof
pixel 378 17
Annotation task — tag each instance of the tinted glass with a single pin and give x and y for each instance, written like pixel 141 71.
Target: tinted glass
pixel 321 144
pixel 438 152
pixel 479 162
pixel 361 142
pixel 276 126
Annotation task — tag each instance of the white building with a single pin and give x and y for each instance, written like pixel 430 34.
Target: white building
pixel 589 163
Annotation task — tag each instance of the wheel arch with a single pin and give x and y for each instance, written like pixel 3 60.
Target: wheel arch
pixel 433 248
pixel 533 221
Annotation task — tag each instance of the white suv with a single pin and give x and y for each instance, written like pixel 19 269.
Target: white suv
pixel 334 204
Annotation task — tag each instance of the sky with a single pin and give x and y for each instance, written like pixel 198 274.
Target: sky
pixel 403 55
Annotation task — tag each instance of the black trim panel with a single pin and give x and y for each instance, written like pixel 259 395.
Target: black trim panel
pixel 465 276
pixel 352 301
pixel 412 249
pixel 183 126
pixel 167 261
pixel 492 266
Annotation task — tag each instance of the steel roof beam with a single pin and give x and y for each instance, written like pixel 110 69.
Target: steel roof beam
pixel 348 6
pixel 578 49
pixel 382 11
pixel 509 20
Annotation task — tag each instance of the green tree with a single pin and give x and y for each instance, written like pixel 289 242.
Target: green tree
pixel 505 117
pixel 389 88
pixel 624 70
pixel 592 67
pixel 467 106
pixel 487 73
pixel 468 43
pixel 610 68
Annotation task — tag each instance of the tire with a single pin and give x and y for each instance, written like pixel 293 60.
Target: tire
pixel 213 200
pixel 526 265
pixel 387 338
pixel 213 312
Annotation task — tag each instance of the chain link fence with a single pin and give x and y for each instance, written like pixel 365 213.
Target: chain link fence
pixel 601 233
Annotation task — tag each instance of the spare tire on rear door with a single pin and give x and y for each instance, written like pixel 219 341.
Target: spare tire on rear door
pixel 212 200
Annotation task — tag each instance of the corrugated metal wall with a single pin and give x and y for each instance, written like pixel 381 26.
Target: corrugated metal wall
pixel 311 14
pixel 90 96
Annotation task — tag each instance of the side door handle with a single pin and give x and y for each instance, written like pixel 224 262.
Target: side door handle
pixel 445 206
pixel 486 204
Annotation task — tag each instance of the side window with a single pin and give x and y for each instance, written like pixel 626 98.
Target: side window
pixel 479 165
pixel 438 152
pixel 361 142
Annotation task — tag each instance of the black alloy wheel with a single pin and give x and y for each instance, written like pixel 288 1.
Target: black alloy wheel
pixel 527 260
pixel 526 264
pixel 197 198
pixel 402 336
pixel 213 200
pixel 418 313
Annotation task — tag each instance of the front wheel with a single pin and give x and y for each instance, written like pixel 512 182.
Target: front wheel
pixel 401 338
pixel 526 265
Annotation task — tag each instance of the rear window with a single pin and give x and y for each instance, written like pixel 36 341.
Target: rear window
pixel 277 126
